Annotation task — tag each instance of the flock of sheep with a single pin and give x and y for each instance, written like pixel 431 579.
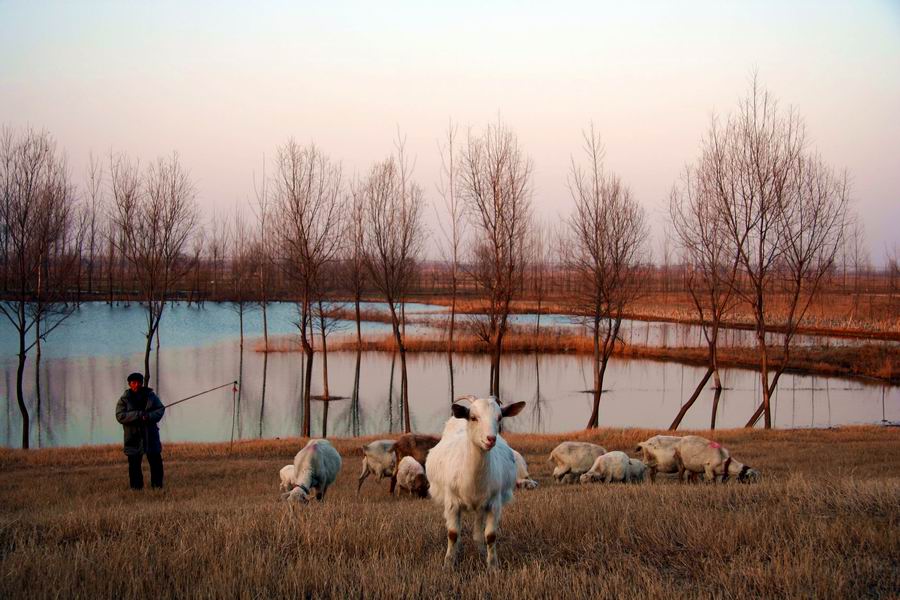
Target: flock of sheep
pixel 471 468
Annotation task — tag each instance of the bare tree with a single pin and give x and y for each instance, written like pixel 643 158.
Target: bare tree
pixel 35 216
pixel 495 184
pixel 783 210
pixel 702 236
pixel 394 236
pixel 307 195
pixel 94 207
pixel 199 242
pixel 814 225
pixel 263 249
pixel 447 188
pixel 609 234
pixel 856 253
pixel 241 293
pixel 219 242
pixel 355 270
pixel 156 216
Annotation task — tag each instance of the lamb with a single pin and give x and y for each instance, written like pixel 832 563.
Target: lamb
pixel 614 466
pixel 574 458
pixel 473 469
pixel 315 466
pixel 414 445
pixel 637 470
pixel 659 454
pixel 411 477
pixel 286 474
pixel 378 459
pixel 523 479
pixel 698 455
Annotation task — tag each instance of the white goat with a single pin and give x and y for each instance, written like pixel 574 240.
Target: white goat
pixel 315 466
pixel 609 467
pixel 411 477
pixel 523 479
pixel 473 469
pixel 659 454
pixel 698 455
pixel 574 458
pixel 378 459
pixel 286 474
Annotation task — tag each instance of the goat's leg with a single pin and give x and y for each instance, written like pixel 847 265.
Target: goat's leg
pixel 393 484
pixel 492 525
pixel 478 529
pixel 452 517
pixel 362 477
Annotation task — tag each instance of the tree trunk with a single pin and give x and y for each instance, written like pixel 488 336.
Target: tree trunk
pixel 307 387
pixel 715 406
pixel 687 405
pixel 354 403
pixel 20 376
pixel 759 411
pixel 404 391
pixel 262 400
pixel 147 347
pixel 358 324
pixel 452 390
pixel 37 377
pixel 593 421
pixel 240 370
pixel 326 397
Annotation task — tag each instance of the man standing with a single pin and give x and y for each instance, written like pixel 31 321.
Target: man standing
pixel 139 410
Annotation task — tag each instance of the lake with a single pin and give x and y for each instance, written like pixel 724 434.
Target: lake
pixel 86 360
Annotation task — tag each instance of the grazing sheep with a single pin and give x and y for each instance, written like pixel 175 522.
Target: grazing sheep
pixel 698 455
pixel 286 474
pixel 473 469
pixel 414 445
pixel 636 471
pixel 609 467
pixel 659 454
pixel 574 458
pixel 315 466
pixel 378 459
pixel 523 479
pixel 411 477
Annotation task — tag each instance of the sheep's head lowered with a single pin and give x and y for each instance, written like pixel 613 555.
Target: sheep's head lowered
pixel 299 494
pixel 484 416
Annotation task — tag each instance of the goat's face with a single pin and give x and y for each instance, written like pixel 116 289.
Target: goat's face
pixel 748 475
pixel 590 477
pixel 484 416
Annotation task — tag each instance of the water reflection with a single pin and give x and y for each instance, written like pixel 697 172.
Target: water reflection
pixel 79 395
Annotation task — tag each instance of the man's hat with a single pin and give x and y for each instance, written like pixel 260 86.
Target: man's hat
pixel 136 377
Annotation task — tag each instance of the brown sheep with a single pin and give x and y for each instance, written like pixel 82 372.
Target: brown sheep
pixel 415 445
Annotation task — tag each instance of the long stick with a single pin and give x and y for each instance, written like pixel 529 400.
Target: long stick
pixel 201 393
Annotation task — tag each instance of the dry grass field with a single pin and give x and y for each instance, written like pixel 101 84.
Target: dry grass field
pixel 824 522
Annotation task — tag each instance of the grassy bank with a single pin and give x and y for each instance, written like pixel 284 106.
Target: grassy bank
pixel 823 522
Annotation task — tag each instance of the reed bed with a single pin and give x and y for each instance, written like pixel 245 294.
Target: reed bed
pixel 822 523
pixel 869 361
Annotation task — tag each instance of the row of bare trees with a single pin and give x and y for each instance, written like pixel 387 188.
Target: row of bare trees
pixel 46 226
pixel 759 220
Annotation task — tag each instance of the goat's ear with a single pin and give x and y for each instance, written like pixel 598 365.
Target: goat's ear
pixel 459 411
pixel 512 410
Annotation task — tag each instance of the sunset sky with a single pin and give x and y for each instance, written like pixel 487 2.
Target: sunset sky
pixel 225 83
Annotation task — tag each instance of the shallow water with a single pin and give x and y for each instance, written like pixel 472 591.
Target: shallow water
pixel 85 364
